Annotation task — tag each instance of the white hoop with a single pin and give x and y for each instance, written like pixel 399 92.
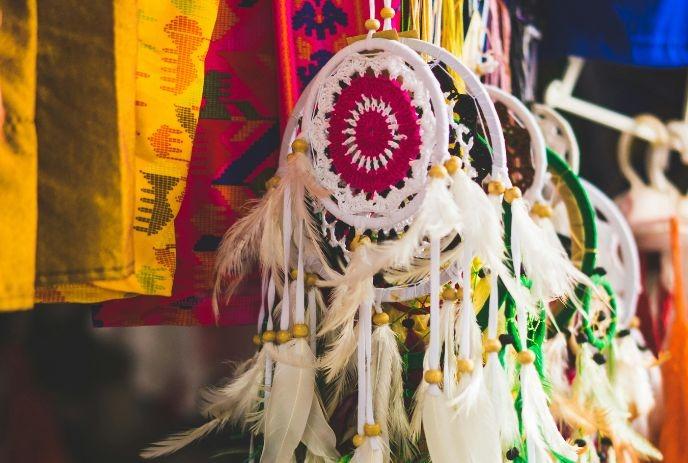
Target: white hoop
pixel 441 136
pixel 557 131
pixel 537 140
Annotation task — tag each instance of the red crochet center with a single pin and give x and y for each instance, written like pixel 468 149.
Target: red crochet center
pixel 373 133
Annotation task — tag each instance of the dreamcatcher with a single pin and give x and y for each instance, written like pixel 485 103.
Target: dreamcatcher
pixel 392 221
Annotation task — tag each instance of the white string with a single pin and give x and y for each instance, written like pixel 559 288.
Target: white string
pixel 263 293
pixel 286 244
pixel 269 326
pixel 312 317
pixel 299 311
pixel 387 23
pixel 466 306
pixel 434 344
pixel 367 334
pixel 360 364
pixel 371 15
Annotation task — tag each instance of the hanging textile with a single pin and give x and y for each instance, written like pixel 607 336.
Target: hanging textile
pixel 236 142
pixel 636 32
pixel 86 129
pixel 172 41
pixel 18 154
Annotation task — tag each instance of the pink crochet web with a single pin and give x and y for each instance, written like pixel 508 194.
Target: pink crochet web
pixel 373 134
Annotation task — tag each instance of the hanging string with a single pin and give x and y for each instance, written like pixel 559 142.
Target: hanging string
pixel 434 344
pixel 286 244
pixel 387 22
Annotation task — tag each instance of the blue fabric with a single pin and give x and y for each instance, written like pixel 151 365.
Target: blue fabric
pixel 637 32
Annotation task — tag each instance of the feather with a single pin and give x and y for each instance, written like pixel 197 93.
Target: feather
pixel 546 264
pixel 556 357
pixel 289 405
pixel 371 451
pixel 318 437
pixel 502 401
pixel 438 427
pixel 180 440
pixel 542 436
pixel 631 378
pixel 346 300
pixel 388 391
pixel 241 395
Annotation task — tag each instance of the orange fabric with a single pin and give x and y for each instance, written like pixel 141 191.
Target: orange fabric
pixel 675 371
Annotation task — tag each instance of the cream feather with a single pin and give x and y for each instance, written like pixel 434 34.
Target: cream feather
pixel 497 387
pixel 439 427
pixel 180 440
pixel 631 377
pixel 388 391
pixel 540 429
pixel 371 451
pixel 546 264
pixel 318 437
pixel 289 405
pixel 556 357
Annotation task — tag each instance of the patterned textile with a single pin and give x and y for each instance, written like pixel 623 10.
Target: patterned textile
pixel 18 154
pixel 173 37
pixel 236 141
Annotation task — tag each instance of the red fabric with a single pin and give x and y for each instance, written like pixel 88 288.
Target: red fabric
pixel 373 133
pixel 261 56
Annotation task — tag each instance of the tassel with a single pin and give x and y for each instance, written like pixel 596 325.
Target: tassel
pixel 475 420
pixel 675 371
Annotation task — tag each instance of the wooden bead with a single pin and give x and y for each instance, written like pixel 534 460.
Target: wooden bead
pixel 293 274
pixel 283 336
pixel 433 376
pixel 453 164
pixel 372 430
pixel 257 340
pixel 387 13
pixel 635 323
pixel 272 182
pixel 268 336
pixel 311 279
pixel 380 318
pixel 492 345
pixel 526 357
pixel 464 366
pixel 300 330
pixel 372 24
pixel 359 240
pixel 357 440
pixel 495 187
pixel 449 294
pixel 541 210
pixel 437 171
pixel 299 145
pixel 512 194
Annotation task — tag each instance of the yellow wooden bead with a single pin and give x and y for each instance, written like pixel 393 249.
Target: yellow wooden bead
pixel 464 366
pixel 380 318
pixel 257 340
pixel 300 330
pixel 272 183
pixel 357 440
pixel 495 187
pixel 387 13
pixel 582 450
pixel 359 240
pixel 311 279
pixel 449 294
pixel 437 171
pixel 283 336
pixel 372 430
pixel 512 194
pixel 433 376
pixel 459 293
pixel 453 164
pixel 526 357
pixel 299 145
pixel 492 345
pixel 635 323
pixel 293 274
pixel 372 24
pixel 268 336
pixel 542 210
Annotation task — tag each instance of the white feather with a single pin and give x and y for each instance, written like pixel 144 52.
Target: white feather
pixel 631 378
pixel 545 262
pixel 318 437
pixel 438 427
pixel 289 405
pixel 180 440
pixel 497 386
pixel 371 451
pixel 556 357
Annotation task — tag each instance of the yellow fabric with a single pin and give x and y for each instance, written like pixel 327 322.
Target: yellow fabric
pixel 18 154
pixel 173 38
pixel 86 131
